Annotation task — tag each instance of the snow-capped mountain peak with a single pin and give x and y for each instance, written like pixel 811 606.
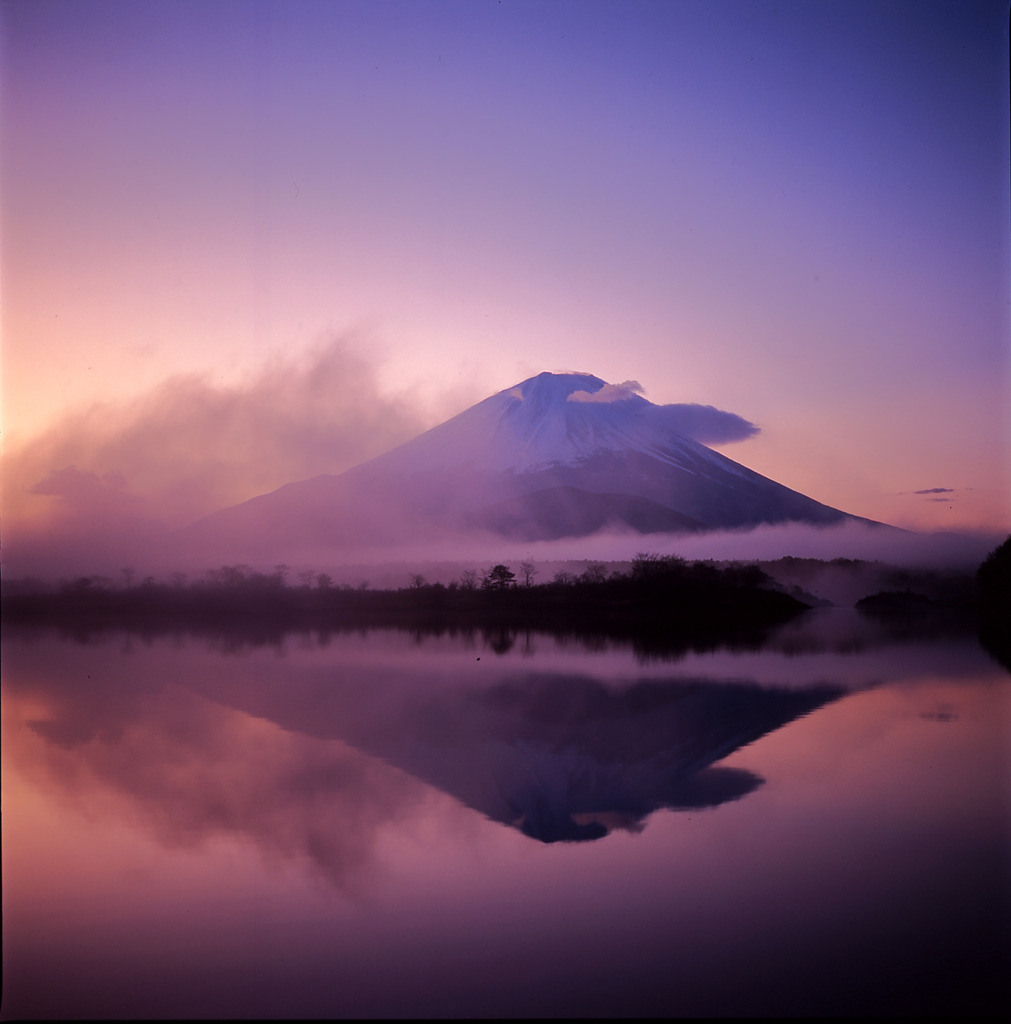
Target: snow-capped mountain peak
pixel 557 455
pixel 548 420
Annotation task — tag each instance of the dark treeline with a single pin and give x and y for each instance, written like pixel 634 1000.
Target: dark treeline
pixel 661 596
pixel 662 603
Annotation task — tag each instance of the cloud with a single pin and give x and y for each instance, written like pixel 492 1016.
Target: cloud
pixel 187 769
pixel 191 445
pixel 936 490
pixel 103 485
pixel 705 423
pixel 609 393
pixel 77 487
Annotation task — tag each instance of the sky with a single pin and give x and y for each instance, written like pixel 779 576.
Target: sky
pixel 244 242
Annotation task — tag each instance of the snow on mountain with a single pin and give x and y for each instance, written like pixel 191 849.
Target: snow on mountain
pixel 557 455
pixel 547 420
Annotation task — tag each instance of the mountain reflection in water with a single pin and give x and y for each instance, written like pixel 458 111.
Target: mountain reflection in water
pixel 386 824
pixel 561 757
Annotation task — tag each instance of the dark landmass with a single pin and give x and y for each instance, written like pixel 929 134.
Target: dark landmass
pixel 661 604
pixel 903 603
pixel 917 611
pixel 994 588
pixel 663 601
pixel 952 602
pixel 845 581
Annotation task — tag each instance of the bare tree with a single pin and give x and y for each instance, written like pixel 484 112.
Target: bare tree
pixel 528 571
pixel 595 572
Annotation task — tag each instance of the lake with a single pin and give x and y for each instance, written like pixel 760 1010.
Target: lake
pixel 380 823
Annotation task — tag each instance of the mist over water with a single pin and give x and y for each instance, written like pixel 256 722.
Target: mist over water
pixel 148 552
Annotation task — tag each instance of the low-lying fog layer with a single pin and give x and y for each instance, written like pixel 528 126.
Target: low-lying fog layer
pixel 836 565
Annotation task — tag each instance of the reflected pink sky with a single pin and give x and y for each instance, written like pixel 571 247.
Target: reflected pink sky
pixel 795 212
pixel 187 858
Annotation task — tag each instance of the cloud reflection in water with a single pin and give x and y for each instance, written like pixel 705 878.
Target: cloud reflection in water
pixel 248 831
pixel 329 748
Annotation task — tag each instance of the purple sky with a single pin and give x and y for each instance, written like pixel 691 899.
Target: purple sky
pixel 796 212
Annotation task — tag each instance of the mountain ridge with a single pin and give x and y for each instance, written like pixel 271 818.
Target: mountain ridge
pixel 557 455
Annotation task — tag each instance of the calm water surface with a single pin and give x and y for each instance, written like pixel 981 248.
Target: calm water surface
pixel 390 825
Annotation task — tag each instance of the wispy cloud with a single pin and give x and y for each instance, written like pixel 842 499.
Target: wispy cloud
pixel 103 483
pixel 191 445
pixel 295 798
pixel 81 488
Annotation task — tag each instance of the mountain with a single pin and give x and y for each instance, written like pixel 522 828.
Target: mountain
pixel 558 455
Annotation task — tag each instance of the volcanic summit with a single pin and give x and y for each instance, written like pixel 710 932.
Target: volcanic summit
pixel 558 455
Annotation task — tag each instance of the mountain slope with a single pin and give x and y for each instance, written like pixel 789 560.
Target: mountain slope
pixel 557 455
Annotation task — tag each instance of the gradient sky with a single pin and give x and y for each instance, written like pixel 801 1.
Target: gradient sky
pixel 794 211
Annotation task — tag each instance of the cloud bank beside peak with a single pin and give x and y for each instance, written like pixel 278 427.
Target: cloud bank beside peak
pixel 191 445
pixel 705 423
